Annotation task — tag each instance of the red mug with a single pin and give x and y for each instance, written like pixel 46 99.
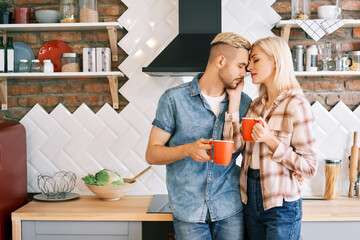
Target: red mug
pixel 223 151
pixel 22 15
pixel 247 125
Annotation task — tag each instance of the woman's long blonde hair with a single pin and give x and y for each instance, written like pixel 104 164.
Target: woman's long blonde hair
pixel 279 50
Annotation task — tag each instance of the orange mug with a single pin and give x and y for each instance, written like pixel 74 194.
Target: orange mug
pixel 223 151
pixel 247 125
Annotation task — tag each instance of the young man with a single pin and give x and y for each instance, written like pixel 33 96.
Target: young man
pixel 205 197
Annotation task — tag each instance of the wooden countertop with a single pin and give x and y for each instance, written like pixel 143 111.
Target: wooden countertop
pixel 133 208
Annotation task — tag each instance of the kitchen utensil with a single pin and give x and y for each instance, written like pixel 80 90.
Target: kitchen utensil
pixel 112 192
pixel 222 151
pixel 353 165
pixel 144 171
pixel 47 16
pixel 358 179
pixel 22 15
pixel 58 185
pixel 53 50
pixel 22 51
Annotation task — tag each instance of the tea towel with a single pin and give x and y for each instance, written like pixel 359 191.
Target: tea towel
pixel 317 28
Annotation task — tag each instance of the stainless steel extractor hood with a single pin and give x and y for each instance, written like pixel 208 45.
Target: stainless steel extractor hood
pixel 187 54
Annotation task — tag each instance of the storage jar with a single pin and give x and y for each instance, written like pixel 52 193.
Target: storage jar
pixel 332 170
pixel 67 11
pixel 311 58
pixel 298 57
pixel 354 59
pixel 24 65
pixel 300 9
pixel 36 65
pixel 70 62
pixel 88 11
pixel 48 66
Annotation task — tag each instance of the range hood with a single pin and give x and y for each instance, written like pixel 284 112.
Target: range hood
pixel 187 54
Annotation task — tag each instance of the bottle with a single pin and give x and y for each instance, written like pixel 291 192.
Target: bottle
pixel 24 65
pixel 10 55
pixel 332 170
pixel 298 57
pixel 2 56
pixel 311 58
pixel 48 66
pixel 35 65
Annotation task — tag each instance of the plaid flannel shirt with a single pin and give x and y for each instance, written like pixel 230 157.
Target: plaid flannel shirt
pixel 290 120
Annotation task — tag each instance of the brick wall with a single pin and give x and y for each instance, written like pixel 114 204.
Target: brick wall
pixel 25 93
pixel 328 90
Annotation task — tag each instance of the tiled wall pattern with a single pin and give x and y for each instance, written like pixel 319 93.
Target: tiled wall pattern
pixel 84 142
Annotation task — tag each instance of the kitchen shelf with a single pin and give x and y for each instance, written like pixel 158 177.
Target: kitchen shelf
pixel 286 26
pixel 111 76
pixel 327 73
pixel 111 27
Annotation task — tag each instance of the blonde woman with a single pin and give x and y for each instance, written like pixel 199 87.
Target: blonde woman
pixel 283 147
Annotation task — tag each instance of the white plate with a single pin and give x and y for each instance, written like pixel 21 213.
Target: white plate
pixel 43 197
pixel 22 51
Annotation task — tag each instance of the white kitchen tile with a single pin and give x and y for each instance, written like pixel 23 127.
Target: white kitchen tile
pixel 65 119
pixel 101 143
pixel 134 163
pixel 78 142
pixel 35 141
pixel 109 161
pixel 154 184
pixel 64 162
pixel 41 118
pixel 132 40
pixel 88 119
pixel 346 118
pixel 28 124
pixel 158 12
pixel 135 61
pixel 132 15
pixel 265 13
pixel 323 118
pixel 336 144
pixel 125 143
pixel 87 163
pixel 55 143
pixel 320 134
pixel 112 119
pixel 134 117
pixel 159 36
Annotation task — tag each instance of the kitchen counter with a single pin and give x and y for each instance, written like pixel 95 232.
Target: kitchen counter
pixel 133 208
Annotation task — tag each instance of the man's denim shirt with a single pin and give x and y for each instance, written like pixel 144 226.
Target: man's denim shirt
pixel 198 187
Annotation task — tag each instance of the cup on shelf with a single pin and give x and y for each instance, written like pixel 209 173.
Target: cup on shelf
pixel 22 15
pixel 328 11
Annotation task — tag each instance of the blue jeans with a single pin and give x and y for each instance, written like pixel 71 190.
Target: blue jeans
pixel 231 228
pixel 280 223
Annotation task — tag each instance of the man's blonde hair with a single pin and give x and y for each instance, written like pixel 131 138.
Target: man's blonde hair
pixel 279 50
pixel 231 39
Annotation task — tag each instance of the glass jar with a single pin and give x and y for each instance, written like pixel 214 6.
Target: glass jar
pixel 67 11
pixel 300 9
pixel 48 66
pixel 24 65
pixel 70 62
pixel 354 60
pixel 298 57
pixel 88 11
pixel 36 65
pixel 332 170
pixel 311 58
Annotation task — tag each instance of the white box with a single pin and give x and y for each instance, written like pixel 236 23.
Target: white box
pixel 89 60
pixel 103 59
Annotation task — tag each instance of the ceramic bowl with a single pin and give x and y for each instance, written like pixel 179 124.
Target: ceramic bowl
pixel 112 193
pixel 47 16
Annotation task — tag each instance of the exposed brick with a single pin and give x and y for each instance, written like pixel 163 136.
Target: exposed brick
pixel 332 99
pixel 353 85
pixel 23 101
pixel 110 19
pixel 61 88
pixel 337 86
pixel 282 7
pixel 47 101
pixel 63 36
pixel 23 89
pixel 352 5
pixel 109 10
pixel 356 32
pixel 77 100
pixel 96 87
pixel 308 86
pixel 25 37
pixel 322 86
pixel 350 99
pixel 16 113
pixel 314 97
pixel 12 102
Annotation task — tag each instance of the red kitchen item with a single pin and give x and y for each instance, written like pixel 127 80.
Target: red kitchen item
pixel 52 50
pixel 22 15
pixel 13 176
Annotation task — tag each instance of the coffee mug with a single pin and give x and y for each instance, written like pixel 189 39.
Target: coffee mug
pixel 247 125
pixel 223 151
pixel 328 11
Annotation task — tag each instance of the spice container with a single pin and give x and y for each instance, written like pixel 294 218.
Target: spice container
pixel 298 57
pixel 300 9
pixel 24 65
pixel 311 58
pixel 67 11
pixel 36 65
pixel 354 59
pixel 70 62
pixel 88 11
pixel 332 170
pixel 48 66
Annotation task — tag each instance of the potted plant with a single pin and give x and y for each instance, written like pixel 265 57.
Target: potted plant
pixel 5 17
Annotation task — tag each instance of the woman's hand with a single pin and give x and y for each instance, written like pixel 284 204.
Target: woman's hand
pixel 262 133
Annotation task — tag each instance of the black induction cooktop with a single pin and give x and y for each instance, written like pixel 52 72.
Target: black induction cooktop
pixel 159 204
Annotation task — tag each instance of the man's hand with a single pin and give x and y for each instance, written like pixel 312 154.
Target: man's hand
pixel 197 150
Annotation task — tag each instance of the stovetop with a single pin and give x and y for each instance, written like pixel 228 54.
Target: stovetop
pixel 159 204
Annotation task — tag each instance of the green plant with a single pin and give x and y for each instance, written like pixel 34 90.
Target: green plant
pixel 104 177
pixel 4 5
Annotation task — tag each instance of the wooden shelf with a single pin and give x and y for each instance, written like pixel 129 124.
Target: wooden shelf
pixel 327 73
pixel 111 76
